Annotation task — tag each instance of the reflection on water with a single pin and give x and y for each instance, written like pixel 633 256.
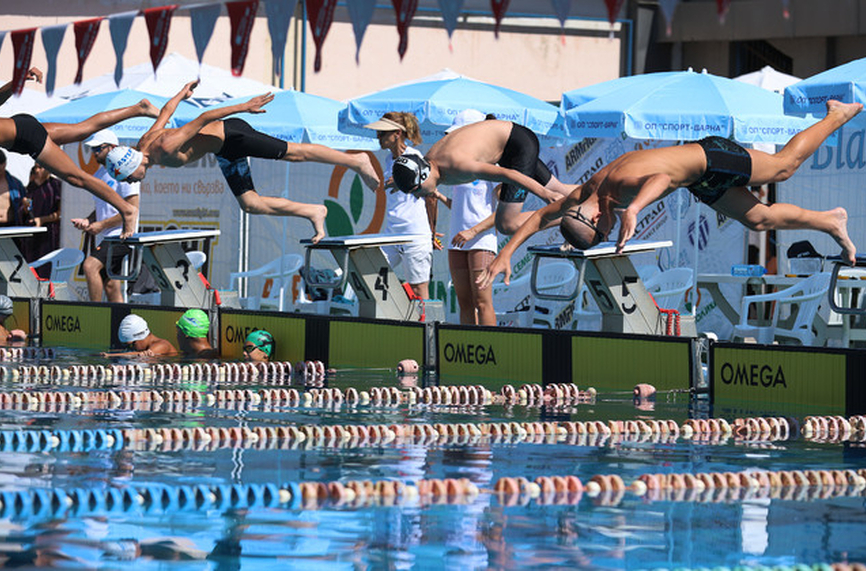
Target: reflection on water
pixel 626 531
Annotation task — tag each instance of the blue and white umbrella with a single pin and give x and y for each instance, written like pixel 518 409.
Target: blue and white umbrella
pixel 679 106
pixel 296 117
pixel 80 109
pixel 436 103
pixel 845 83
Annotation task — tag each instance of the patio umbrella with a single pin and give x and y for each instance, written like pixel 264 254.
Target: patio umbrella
pixel 679 106
pixel 80 109
pixel 845 83
pixel 296 117
pixel 436 103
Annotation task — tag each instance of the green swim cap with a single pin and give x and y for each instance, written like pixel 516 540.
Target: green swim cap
pixel 263 340
pixel 194 323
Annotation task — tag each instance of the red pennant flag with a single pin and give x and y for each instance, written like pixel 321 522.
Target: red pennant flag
pixel 722 9
pixel 320 13
pixel 499 7
pixel 613 7
pixel 405 10
pixel 22 42
pixel 85 35
pixel 158 21
pixel 242 16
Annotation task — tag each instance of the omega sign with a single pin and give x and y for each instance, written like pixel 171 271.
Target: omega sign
pixel 469 354
pixel 66 323
pixel 754 375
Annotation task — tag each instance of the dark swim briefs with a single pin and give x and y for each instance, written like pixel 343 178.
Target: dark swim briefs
pixel 728 165
pixel 30 136
pixel 521 154
pixel 242 141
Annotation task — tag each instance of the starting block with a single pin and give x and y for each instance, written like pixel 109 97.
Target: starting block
pixel 16 277
pixel 380 293
pixel 161 252
pixel 614 283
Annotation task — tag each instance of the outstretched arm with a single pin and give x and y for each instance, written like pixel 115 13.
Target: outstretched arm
pixel 174 139
pixel 6 90
pixel 171 106
pixel 651 190
pixel 540 220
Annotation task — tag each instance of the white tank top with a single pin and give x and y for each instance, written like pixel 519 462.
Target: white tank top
pixel 471 203
pixel 407 214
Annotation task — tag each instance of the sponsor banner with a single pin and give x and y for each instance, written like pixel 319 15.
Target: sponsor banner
pixel 495 356
pixel 619 363
pixel 832 177
pixel 289 334
pixel 79 326
pixel 376 345
pixel 161 322
pixel 20 318
pixel 813 379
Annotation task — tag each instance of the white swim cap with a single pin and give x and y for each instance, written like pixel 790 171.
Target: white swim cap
pixel 122 161
pixel 5 305
pixel 132 328
pixel 466 117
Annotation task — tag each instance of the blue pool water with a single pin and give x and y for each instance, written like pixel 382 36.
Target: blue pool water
pixel 631 531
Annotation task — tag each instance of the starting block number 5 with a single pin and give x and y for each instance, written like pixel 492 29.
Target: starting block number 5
pixel 603 295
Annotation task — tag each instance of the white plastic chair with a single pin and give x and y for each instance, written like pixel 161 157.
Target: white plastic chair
pixel 552 276
pixel 587 315
pixel 805 297
pixel 197 258
pixel 669 287
pixel 63 263
pixel 512 318
pixel 275 278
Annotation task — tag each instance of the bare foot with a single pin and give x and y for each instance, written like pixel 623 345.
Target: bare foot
pixel 130 218
pixel 148 109
pixel 318 221
pixel 846 111
pixel 840 234
pixel 366 171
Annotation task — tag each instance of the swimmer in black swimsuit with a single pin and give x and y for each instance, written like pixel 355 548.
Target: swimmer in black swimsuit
pixel 232 141
pixel 24 134
pixel 715 170
pixel 498 151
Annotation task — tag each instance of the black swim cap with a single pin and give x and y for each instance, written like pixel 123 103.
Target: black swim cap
pixel 410 171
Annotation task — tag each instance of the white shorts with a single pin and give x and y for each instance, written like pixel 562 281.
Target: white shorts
pixel 416 259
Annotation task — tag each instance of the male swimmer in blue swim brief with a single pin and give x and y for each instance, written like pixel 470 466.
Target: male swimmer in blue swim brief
pixel 232 141
pixel 498 151
pixel 715 170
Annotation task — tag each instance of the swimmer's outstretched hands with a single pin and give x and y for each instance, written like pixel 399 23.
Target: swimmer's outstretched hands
pixel 188 89
pixel 498 266
pixel 255 104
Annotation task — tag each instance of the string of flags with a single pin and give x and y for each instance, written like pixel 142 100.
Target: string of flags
pixel 242 13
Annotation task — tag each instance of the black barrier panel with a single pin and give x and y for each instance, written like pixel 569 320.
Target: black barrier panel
pixel 786 379
pixel 855 394
pixel 495 356
pixel 288 329
pixel 617 362
pixel 374 343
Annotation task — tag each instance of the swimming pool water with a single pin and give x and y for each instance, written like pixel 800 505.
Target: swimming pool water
pixel 485 532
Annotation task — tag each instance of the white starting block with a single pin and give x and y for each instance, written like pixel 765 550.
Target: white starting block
pixel 163 255
pixel 16 277
pixel 380 293
pixel 615 285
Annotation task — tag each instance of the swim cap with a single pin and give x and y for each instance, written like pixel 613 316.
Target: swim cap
pixel 466 117
pixel 410 171
pixel 262 340
pixel 5 305
pixel 122 162
pixel 194 323
pixel 132 328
